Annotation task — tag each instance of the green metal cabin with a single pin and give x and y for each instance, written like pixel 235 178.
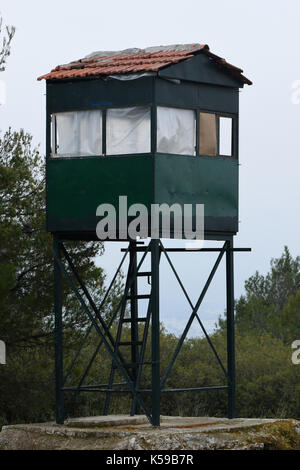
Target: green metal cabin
pixel 158 125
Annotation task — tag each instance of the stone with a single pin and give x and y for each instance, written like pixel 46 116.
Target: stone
pixel 135 433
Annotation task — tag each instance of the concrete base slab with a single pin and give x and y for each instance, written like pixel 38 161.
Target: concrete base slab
pixel 135 433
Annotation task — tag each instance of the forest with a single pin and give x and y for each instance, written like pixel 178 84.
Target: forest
pixel 267 316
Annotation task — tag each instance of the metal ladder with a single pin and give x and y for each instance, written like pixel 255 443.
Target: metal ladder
pixel 137 344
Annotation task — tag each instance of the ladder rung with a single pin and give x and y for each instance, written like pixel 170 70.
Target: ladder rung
pixel 139 296
pixel 146 273
pixel 130 343
pixel 129 320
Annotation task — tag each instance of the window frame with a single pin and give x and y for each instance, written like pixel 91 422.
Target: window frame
pixel 184 108
pixel 104 130
pixel 234 134
pixel 53 133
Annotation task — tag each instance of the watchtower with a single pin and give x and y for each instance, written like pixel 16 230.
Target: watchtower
pixel 159 126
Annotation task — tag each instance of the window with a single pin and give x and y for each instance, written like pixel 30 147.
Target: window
pixel 215 135
pixel 77 133
pixel 128 130
pixel 176 131
pixel 208 134
pixel 225 132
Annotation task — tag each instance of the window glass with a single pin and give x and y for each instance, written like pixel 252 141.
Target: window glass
pixel 225 145
pixel 208 134
pixel 176 130
pixel 128 130
pixel 77 133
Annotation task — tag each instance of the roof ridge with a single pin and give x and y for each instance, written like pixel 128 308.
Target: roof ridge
pixel 147 50
pixel 125 60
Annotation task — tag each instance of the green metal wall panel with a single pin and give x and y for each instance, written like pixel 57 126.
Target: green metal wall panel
pixel 200 180
pixel 76 187
pixel 200 69
pixel 98 93
pixel 193 95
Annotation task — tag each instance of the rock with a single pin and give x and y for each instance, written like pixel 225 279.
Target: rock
pixel 135 433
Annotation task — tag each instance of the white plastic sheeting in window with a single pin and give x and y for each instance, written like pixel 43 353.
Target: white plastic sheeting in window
pixel 176 130
pixel 128 130
pixel 78 133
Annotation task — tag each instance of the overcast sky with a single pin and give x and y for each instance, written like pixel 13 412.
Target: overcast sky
pixel 261 37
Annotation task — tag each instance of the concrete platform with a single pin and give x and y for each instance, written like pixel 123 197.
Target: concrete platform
pixel 135 433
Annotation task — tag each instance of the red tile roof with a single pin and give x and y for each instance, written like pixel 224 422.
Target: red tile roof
pixel 151 59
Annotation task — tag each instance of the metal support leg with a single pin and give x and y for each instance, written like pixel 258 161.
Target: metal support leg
pixel 155 333
pixel 58 334
pixel 133 317
pixel 230 329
